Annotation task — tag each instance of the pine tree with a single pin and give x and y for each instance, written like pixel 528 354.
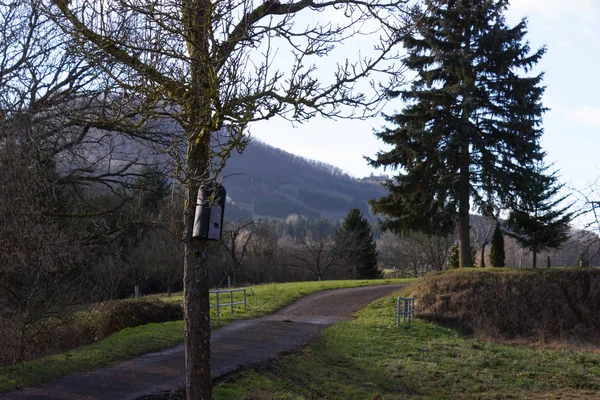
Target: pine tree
pixel 354 243
pixel 497 255
pixel 538 222
pixel 470 128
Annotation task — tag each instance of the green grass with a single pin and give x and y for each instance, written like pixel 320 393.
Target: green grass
pixel 131 342
pixel 119 346
pixel 369 358
pixel 267 298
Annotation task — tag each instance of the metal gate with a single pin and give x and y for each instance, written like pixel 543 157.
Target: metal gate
pixel 231 303
pixel 406 309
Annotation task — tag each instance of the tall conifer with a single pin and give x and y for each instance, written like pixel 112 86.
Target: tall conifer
pixel 497 254
pixel 471 123
pixel 355 245
pixel 538 221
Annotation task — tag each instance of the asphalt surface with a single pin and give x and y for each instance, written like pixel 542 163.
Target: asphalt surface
pixel 239 345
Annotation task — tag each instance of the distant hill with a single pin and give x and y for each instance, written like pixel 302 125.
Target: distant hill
pixel 268 182
pixel 262 182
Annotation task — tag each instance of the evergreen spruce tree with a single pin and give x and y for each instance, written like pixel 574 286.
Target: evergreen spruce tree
pixel 355 245
pixel 497 255
pixel 538 222
pixel 470 128
pixel 453 261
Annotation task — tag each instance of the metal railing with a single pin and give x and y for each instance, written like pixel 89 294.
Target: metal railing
pixel 231 303
pixel 406 309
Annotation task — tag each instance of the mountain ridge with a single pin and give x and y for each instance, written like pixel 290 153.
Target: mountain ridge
pixel 266 181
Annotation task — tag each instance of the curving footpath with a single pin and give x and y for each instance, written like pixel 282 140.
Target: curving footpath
pixel 239 345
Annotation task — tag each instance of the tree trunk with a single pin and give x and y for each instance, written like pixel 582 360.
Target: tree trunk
pixel 534 259
pixel 464 206
pixel 19 354
pixel 482 264
pixel 464 228
pixel 198 380
pixel 199 124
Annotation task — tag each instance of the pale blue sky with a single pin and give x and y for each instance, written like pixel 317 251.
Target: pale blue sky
pixel 571 31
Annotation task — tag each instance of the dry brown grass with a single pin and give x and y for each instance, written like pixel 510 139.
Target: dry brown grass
pixel 536 306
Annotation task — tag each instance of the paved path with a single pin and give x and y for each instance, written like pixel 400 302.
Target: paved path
pixel 238 345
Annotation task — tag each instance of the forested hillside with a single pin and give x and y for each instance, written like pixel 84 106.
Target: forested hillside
pixel 266 181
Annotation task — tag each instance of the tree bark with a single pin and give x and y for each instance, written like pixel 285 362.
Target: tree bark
pixel 464 206
pixel 464 229
pixel 198 380
pixel 482 264
pixel 534 259
pixel 198 127
pixel 195 279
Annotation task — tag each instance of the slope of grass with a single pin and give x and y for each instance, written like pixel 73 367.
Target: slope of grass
pixel 555 304
pixel 134 341
pixel 369 358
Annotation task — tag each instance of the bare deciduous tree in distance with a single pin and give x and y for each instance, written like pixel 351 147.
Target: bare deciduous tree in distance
pixel 207 64
pixel 415 254
pixel 235 243
pixel 315 254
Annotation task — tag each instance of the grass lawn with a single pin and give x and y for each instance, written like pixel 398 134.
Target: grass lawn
pixel 130 342
pixel 369 358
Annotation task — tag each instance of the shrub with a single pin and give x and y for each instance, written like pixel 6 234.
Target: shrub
pixel 123 314
pixel 497 254
pixel 453 257
pixel 88 326
pixel 563 304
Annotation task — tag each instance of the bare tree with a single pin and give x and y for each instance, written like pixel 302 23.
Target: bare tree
pixel 207 64
pixel 160 255
pixel 38 277
pixel 57 109
pixel 68 168
pixel 108 271
pixel 390 253
pixel 416 254
pixel 436 249
pixel 263 253
pixel 482 229
pixel 315 254
pixel 235 243
pixel 401 254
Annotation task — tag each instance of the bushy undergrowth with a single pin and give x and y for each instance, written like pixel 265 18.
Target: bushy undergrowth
pixel 89 326
pixel 531 304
